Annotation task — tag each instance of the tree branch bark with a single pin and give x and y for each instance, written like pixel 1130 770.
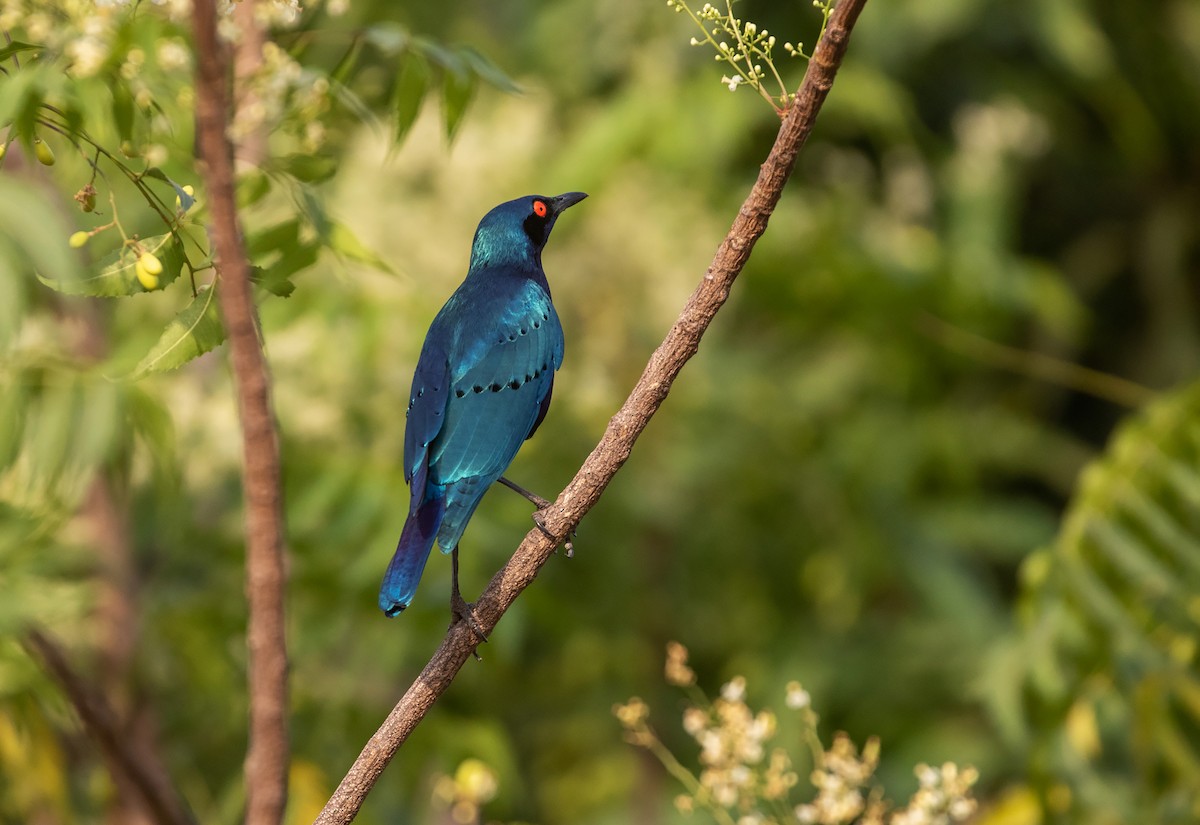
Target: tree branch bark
pixel 149 779
pixel 266 768
pixel 615 445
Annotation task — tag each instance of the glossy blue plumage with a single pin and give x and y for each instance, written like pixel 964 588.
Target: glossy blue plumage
pixel 482 384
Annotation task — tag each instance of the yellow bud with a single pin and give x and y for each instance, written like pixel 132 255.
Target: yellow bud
pixel 189 190
pixel 43 151
pixel 149 262
pixel 147 279
pixel 3 150
pixel 78 239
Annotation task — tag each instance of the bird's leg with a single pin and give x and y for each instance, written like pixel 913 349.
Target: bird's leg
pixel 533 498
pixel 541 504
pixel 460 608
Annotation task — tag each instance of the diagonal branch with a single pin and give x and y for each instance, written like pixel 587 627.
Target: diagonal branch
pixel 623 429
pixel 148 779
pixel 266 767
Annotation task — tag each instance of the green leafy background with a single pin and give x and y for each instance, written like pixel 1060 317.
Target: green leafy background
pixel 868 479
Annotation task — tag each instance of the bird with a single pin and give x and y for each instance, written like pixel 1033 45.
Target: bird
pixel 481 387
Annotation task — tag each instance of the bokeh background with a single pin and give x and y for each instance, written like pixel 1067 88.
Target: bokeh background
pixel 937 459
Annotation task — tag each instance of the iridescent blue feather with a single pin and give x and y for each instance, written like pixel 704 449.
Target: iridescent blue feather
pixel 482 385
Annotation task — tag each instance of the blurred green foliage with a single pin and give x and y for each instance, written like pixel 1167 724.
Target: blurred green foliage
pixel 837 491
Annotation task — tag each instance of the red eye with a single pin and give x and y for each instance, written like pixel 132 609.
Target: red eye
pixel 540 209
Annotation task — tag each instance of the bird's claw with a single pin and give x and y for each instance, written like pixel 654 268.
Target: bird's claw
pixel 461 609
pixel 541 525
pixel 464 611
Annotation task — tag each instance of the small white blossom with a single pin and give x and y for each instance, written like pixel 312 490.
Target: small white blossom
pixel 172 55
pixel 694 721
pixel 797 696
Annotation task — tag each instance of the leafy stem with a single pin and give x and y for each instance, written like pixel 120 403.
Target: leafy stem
pixel 138 179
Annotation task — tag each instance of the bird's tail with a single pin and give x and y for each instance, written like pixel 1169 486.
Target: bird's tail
pixel 416 540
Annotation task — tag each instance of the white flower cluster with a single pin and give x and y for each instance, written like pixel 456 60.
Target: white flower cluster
pixel 83 30
pixel 740 784
pixel 944 796
pixel 746 49
pixel 840 781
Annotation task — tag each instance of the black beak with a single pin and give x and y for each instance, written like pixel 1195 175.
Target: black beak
pixel 567 200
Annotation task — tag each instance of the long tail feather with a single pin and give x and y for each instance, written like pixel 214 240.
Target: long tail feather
pixel 416 540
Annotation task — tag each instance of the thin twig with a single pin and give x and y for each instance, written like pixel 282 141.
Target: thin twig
pixel 266 768
pixel 1037 365
pixel 623 429
pixel 149 779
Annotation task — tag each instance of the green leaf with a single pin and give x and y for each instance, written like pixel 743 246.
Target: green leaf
pixel 116 277
pixel 16 47
pixel 122 110
pixel 346 244
pixel 31 225
pixel 437 54
pixel 313 210
pixel 488 71
pixel 457 90
pixel 348 64
pixel 252 186
pixel 309 168
pixel 357 106
pixel 272 281
pixel 408 94
pixel 13 402
pixel 278 253
pixel 12 295
pixel 1162 528
pixel 151 421
pixel 293 259
pixel 193 332
pixel 21 96
pixel 273 239
pixel 186 201
pixel 390 38
pixel 1116 602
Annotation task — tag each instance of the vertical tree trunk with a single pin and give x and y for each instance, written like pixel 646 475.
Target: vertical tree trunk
pixel 266 768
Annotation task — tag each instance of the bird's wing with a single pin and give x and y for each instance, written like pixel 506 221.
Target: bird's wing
pixel 426 414
pixel 498 390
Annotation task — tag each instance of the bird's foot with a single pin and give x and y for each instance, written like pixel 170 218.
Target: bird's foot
pixel 464 611
pixel 567 544
pixel 460 608
pixel 541 504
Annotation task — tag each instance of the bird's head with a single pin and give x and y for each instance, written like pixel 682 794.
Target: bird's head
pixel 517 230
